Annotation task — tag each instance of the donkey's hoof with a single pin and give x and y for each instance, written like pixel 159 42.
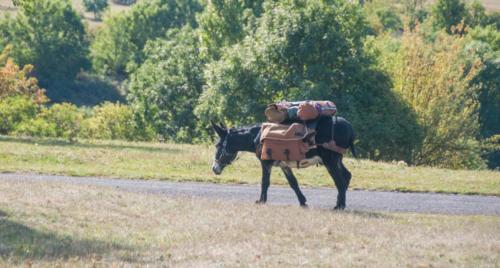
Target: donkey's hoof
pixel 304 205
pixel 338 207
pixel 260 202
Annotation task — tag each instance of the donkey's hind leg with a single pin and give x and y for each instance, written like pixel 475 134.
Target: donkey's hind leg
pixel 347 174
pixel 340 177
pixel 294 184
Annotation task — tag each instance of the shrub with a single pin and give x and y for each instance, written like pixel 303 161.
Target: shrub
pixel 65 118
pixel 59 121
pixel 36 127
pixel 15 81
pixel 14 111
pixel 111 121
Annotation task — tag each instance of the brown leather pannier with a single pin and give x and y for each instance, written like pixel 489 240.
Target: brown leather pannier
pixel 284 142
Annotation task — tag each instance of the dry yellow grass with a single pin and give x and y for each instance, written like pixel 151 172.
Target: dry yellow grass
pixel 48 225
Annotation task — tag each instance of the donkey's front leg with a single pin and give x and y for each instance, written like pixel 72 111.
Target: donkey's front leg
pixel 295 185
pixel 266 180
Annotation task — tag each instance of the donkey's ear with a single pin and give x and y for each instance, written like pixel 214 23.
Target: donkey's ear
pixel 214 125
pixel 219 130
pixel 223 126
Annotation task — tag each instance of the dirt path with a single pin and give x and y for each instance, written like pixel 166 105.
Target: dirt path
pixel 317 197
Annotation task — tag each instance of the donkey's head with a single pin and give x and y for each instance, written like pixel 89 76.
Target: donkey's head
pixel 224 155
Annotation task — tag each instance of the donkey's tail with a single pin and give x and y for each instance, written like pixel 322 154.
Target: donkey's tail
pixel 353 150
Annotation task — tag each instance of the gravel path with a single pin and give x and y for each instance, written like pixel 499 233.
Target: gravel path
pixel 317 197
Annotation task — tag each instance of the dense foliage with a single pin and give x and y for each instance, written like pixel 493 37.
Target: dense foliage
pixel 118 45
pixel 16 81
pixel 431 78
pixel 95 6
pixel 22 111
pixel 165 89
pixel 50 35
pixel 419 82
pixel 448 13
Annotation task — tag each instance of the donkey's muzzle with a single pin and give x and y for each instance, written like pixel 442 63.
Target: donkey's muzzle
pixel 217 169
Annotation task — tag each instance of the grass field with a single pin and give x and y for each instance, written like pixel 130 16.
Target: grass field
pixel 182 162
pixel 55 225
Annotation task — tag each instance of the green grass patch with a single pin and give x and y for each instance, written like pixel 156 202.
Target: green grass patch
pixel 183 162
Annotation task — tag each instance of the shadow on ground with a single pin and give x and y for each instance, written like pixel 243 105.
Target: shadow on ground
pixel 370 214
pixel 361 213
pixel 19 242
pixel 58 142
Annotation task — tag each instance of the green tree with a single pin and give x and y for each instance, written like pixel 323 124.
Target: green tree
pixel 477 14
pixel 225 22
pixel 489 36
pixel 23 3
pixel 485 44
pixel 165 88
pixel 298 51
pixel 309 50
pixel 118 45
pixel 95 6
pixel 124 2
pixel 112 48
pixel 414 11
pixel 448 13
pixel 493 18
pixel 489 81
pixel 389 19
pixel 50 35
pixel 436 81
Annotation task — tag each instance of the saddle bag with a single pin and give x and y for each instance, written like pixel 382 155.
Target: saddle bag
pixel 284 142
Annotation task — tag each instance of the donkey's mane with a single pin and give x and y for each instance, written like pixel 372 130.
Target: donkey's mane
pixel 244 129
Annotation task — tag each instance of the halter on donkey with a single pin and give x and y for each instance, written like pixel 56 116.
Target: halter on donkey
pixel 245 139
